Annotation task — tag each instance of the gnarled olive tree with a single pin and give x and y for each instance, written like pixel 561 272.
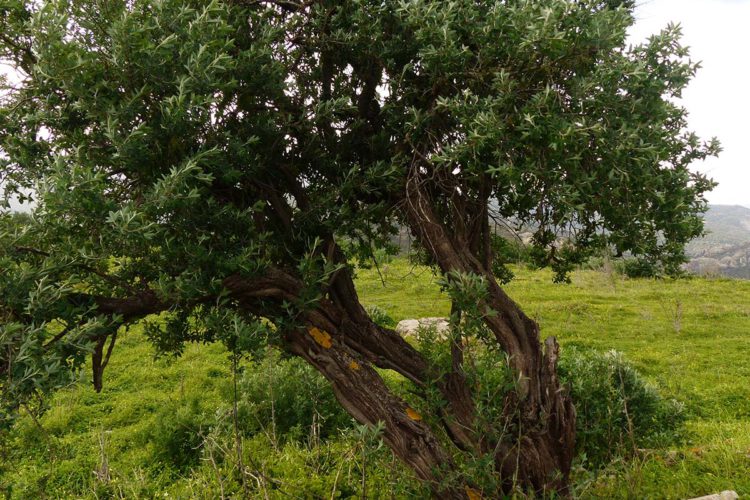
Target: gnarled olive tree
pixel 223 163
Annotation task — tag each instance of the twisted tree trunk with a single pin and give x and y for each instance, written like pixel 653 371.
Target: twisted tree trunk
pixel 342 342
pixel 540 409
pixel 345 345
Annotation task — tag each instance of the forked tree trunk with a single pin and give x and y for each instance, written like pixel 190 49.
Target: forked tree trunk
pixel 540 409
pixel 344 344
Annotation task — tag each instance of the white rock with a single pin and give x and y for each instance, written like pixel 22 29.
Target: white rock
pixel 724 495
pixel 409 327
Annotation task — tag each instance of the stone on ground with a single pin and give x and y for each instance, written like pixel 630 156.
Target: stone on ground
pixel 409 327
pixel 724 495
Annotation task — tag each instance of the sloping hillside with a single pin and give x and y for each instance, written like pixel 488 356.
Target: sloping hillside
pixel 726 226
pixel 726 247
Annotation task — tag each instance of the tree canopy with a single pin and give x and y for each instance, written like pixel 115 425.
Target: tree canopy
pixel 222 165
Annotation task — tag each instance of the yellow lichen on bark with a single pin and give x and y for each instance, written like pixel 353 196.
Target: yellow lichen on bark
pixel 354 365
pixel 473 494
pixel 321 337
pixel 412 414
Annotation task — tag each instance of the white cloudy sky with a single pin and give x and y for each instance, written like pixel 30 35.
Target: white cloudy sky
pixel 717 33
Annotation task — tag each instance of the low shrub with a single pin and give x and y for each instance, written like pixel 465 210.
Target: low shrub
pixel 380 317
pixel 178 433
pixel 617 411
pixel 640 268
pixel 288 400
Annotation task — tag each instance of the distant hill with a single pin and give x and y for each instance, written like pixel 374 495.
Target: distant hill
pixel 725 225
pixel 725 249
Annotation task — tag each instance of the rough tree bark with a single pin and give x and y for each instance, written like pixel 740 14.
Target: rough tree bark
pixel 344 344
pixel 540 408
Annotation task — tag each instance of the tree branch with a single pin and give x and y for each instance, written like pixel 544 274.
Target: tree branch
pixel 112 280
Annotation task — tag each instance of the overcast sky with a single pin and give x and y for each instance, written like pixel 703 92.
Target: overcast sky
pixel 717 33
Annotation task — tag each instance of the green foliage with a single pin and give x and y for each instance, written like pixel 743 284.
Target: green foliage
pixel 178 435
pixel 640 268
pixel 502 272
pixel 492 379
pixel 616 410
pixel 287 399
pixel 169 145
pixel 380 317
pixel 173 148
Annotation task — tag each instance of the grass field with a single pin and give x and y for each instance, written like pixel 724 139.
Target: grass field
pixel 689 338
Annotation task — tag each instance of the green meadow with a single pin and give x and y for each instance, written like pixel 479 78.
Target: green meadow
pixel 169 428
